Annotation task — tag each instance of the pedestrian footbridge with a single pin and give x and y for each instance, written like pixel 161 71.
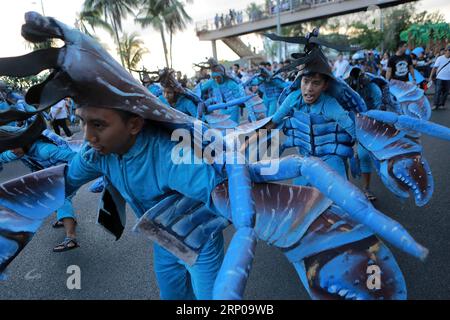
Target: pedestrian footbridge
pixel 290 12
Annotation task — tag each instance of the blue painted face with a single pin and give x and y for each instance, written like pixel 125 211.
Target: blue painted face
pixel 218 77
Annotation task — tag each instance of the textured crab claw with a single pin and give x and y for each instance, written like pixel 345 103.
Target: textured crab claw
pixel 352 200
pixel 24 203
pixel 338 260
pixel 231 103
pixel 345 195
pixel 404 122
pixel 398 159
pixel 412 100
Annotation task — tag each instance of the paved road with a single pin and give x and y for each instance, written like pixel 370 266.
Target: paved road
pixel 123 270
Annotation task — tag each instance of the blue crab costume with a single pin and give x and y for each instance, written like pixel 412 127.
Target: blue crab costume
pixel 271 86
pixel 326 128
pixel 46 151
pixel 389 136
pixel 365 85
pixel 329 231
pixel 397 154
pixel 228 90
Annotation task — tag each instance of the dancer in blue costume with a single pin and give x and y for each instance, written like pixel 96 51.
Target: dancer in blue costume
pixel 372 96
pixel 270 86
pixel 184 207
pixel 46 151
pixel 389 136
pixel 314 122
pixel 222 87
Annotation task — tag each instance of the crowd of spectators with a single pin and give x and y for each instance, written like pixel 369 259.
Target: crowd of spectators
pixel 234 17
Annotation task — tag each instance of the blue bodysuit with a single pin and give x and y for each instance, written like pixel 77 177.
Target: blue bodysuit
pixel 144 176
pixel 323 129
pixel 226 91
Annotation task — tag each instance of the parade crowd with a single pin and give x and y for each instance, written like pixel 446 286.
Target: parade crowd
pixel 326 110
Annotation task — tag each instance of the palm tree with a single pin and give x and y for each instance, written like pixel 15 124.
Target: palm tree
pixel 163 15
pixel 176 20
pixel 132 50
pixel 92 19
pixel 254 11
pixel 113 11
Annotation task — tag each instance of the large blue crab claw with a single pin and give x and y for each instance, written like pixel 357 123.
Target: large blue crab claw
pixel 24 203
pixel 412 100
pixel 405 122
pixel 338 260
pixel 345 195
pixel 398 158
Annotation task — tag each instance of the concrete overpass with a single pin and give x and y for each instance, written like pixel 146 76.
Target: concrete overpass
pixel 296 12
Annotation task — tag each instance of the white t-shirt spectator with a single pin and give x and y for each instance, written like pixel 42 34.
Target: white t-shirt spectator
pixel 443 73
pixel 384 63
pixel 340 67
pixel 59 110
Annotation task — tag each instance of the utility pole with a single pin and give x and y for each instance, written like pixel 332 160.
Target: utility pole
pixel 382 31
pixel 42 7
pixel 279 29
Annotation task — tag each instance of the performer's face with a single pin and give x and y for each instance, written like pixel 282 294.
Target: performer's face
pixel 107 132
pixel 170 96
pixel 218 79
pixel 312 86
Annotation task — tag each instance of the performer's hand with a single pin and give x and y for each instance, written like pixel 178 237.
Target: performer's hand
pixel 18 152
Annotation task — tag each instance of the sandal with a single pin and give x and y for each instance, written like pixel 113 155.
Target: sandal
pixel 67 244
pixel 369 195
pixel 58 224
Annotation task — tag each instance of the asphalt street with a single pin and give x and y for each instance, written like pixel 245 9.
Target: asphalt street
pixel 123 269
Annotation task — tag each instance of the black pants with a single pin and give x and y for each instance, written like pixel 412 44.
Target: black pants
pixel 63 124
pixel 442 88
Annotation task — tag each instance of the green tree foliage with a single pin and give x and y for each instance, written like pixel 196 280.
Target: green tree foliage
pixel 112 12
pixel 165 16
pixel 23 84
pixel 132 50
pixel 365 37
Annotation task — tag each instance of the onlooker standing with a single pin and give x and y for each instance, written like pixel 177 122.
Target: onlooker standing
pixel 400 64
pixel 442 69
pixel 340 66
pixel 216 20
pixel 59 117
pixel 384 63
pixel 237 71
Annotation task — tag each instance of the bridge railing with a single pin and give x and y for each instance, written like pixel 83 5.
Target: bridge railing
pixel 259 12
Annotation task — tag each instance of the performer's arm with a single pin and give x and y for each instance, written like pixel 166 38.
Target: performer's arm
pixel 8 156
pixel 388 73
pixel 194 180
pixel 411 71
pixel 433 71
pixel 81 169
